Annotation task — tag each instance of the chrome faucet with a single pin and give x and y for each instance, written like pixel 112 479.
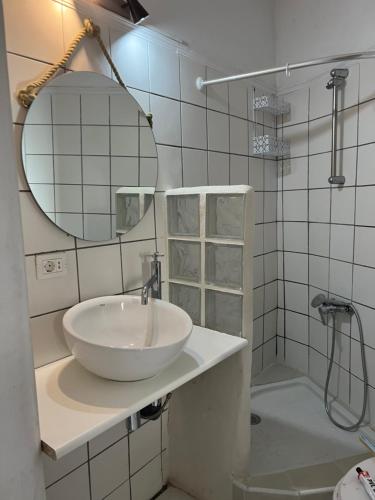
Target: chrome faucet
pixel 328 306
pixel 154 283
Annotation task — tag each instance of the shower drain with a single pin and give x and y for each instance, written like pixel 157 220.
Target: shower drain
pixel 255 419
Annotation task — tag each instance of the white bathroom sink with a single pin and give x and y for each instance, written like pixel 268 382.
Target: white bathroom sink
pixel 120 339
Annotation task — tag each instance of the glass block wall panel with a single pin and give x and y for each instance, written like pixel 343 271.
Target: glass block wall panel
pixel 188 298
pixel 224 312
pixel 183 215
pixel 185 260
pixel 224 217
pixel 224 265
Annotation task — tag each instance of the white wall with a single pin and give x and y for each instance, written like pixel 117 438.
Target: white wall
pixel 20 462
pixel 306 29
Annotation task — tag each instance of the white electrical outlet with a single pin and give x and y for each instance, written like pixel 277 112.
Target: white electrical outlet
pixel 51 265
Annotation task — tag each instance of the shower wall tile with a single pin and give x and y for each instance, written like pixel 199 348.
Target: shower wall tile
pixel 218 131
pixel 217 95
pixel 238 95
pixel 194 126
pixel 166 82
pixel 297 135
pixel 189 91
pixel 218 169
pixel 365 207
pixel 338 242
pixel 166 120
pixel 366 172
pixel 320 135
pixel 364 251
pixel 294 173
pixel 130 54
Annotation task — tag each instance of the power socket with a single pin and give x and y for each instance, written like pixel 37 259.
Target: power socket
pixel 52 265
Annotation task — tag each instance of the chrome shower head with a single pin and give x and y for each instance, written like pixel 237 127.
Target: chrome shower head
pixel 318 300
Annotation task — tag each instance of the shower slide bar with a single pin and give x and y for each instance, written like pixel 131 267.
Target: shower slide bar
pixel 200 83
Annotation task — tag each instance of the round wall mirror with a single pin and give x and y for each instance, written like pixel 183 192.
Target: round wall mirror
pixel 89 156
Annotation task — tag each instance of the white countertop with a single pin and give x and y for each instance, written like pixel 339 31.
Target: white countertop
pixel 76 405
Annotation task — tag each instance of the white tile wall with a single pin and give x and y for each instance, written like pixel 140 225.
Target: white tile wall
pixel 339 233
pixel 198 142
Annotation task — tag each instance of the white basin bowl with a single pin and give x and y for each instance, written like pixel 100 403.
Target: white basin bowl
pixel 120 339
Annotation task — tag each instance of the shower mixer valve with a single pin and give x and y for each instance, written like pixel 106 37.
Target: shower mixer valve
pixel 328 306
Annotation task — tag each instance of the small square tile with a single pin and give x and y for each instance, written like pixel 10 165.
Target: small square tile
pixel 319 205
pixel 340 278
pixel 130 54
pixel 318 272
pixel 343 205
pixel 67 169
pixel 97 227
pixel 167 120
pixel 107 438
pixel 296 297
pixel 109 469
pixel 239 170
pixel 218 132
pixel 148 481
pixel 194 167
pixel 145 444
pixel 66 109
pixel 47 338
pixel 239 136
pixel 296 327
pixel 320 135
pixel 68 198
pixel 95 109
pixel 194 126
pixel 124 141
pixel 167 82
pixel 365 206
pixel 37 139
pixel 96 199
pixel 54 470
pixel 96 277
pixel 342 242
pixel 364 252
pixel 218 169
pixel 217 95
pixel 74 486
pixel 169 167
pixel 189 91
pixel 96 170
pixel 95 140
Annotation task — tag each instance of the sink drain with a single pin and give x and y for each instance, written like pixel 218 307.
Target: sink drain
pixel 255 419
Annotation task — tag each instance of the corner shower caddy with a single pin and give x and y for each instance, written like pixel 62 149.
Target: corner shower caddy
pixel 209 249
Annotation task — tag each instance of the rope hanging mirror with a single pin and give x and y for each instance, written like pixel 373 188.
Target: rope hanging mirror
pixel 88 150
pixel 27 95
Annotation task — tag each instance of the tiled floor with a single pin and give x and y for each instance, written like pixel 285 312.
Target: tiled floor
pixel 174 494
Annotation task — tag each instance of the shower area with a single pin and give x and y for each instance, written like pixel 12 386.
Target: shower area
pixel 310 405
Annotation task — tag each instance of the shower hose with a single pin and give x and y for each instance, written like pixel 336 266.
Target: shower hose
pixel 354 426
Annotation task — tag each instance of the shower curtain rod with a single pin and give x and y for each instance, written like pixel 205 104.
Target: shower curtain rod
pixel 287 68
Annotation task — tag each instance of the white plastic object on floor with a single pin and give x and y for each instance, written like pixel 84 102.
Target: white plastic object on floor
pixel 350 488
